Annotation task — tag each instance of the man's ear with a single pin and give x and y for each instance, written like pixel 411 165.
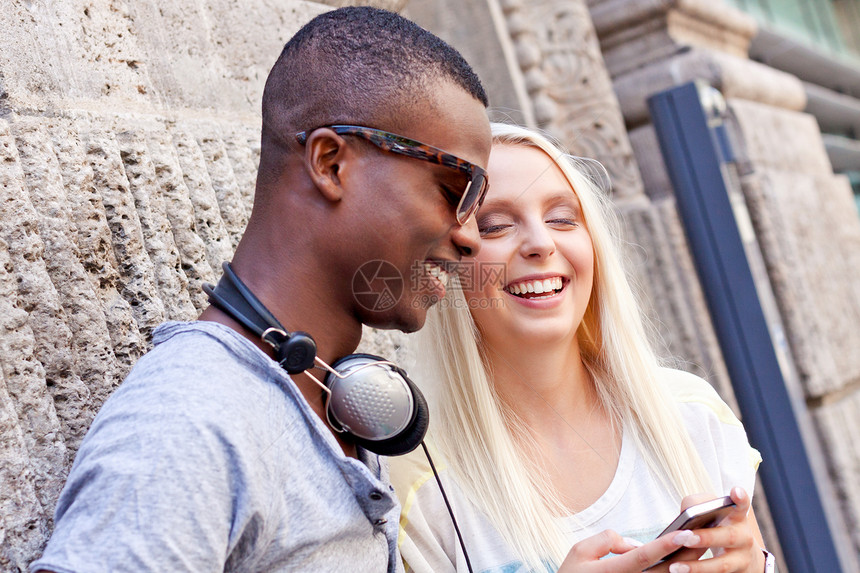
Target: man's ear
pixel 325 154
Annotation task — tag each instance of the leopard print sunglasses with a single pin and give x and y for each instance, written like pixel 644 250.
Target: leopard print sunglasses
pixel 466 201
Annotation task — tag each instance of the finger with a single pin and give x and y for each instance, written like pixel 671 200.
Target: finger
pixel 737 514
pixel 695 499
pixel 728 562
pixel 604 543
pixel 731 536
pixel 687 554
pixel 643 557
pixel 599 545
pixel 742 500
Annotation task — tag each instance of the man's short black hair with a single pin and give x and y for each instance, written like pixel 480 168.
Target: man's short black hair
pixel 358 65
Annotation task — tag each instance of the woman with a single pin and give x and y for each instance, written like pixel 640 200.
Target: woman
pixel 552 420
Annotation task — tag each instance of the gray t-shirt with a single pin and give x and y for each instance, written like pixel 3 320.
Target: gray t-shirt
pixel 208 458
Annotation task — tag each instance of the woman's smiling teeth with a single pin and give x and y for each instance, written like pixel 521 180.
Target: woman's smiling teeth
pixel 533 289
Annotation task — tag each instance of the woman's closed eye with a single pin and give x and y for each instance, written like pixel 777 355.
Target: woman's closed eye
pixel 563 222
pixel 564 215
pixel 490 224
pixel 494 224
pixel 493 230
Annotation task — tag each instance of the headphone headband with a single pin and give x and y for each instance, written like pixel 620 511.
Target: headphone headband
pixel 296 351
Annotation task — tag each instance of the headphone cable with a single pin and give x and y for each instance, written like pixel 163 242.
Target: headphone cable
pixel 448 505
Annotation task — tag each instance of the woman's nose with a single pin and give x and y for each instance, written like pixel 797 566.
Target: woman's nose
pixel 537 242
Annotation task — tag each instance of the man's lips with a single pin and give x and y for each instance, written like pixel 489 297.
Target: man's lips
pixel 437 270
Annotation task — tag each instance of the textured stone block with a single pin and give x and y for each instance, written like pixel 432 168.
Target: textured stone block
pixel 790 271
pixel 145 54
pixel 809 234
pixel 610 16
pixel 209 223
pixel 572 96
pixel 701 343
pixel 646 150
pixel 137 273
pixel 167 267
pixel 665 275
pixel 635 33
pixel 23 523
pixel 390 344
pixel 735 77
pixel 244 160
pixel 87 216
pixel 840 436
pixel 180 213
pixel 245 38
pixel 90 342
pixel 777 139
pixel 454 21
pixel 231 203
pixel 26 270
pixel 25 384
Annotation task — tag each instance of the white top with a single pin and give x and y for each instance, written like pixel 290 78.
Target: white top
pixel 635 504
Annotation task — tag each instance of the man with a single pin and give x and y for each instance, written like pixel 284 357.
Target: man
pixel 209 456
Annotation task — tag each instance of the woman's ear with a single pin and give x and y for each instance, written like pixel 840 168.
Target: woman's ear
pixel 325 155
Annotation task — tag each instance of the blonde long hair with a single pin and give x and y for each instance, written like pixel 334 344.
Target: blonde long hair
pixel 487 446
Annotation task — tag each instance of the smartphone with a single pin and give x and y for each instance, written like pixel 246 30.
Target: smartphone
pixel 699 516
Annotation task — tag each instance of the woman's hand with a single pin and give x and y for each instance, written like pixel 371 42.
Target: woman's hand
pixel 632 556
pixel 736 543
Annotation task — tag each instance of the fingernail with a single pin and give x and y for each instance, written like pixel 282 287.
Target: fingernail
pixel 682 536
pixel 633 542
pixel 679 568
pixel 739 493
pixel 692 540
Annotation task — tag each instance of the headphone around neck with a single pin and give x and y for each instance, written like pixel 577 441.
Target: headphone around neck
pixel 369 399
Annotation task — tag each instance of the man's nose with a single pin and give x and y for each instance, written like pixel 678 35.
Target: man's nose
pixel 467 239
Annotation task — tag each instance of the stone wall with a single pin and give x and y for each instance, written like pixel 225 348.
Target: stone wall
pixel 805 223
pixel 129 135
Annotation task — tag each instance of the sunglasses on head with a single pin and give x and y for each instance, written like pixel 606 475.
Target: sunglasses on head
pixel 467 200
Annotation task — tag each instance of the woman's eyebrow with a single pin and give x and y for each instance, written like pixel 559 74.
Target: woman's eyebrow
pixel 500 203
pixel 564 196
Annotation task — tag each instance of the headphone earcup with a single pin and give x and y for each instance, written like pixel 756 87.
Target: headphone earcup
pixel 365 403
pixel 410 437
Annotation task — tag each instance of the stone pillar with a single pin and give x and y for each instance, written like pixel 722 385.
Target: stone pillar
pixel 806 224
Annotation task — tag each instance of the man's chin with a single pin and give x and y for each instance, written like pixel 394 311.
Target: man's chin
pixel 407 320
